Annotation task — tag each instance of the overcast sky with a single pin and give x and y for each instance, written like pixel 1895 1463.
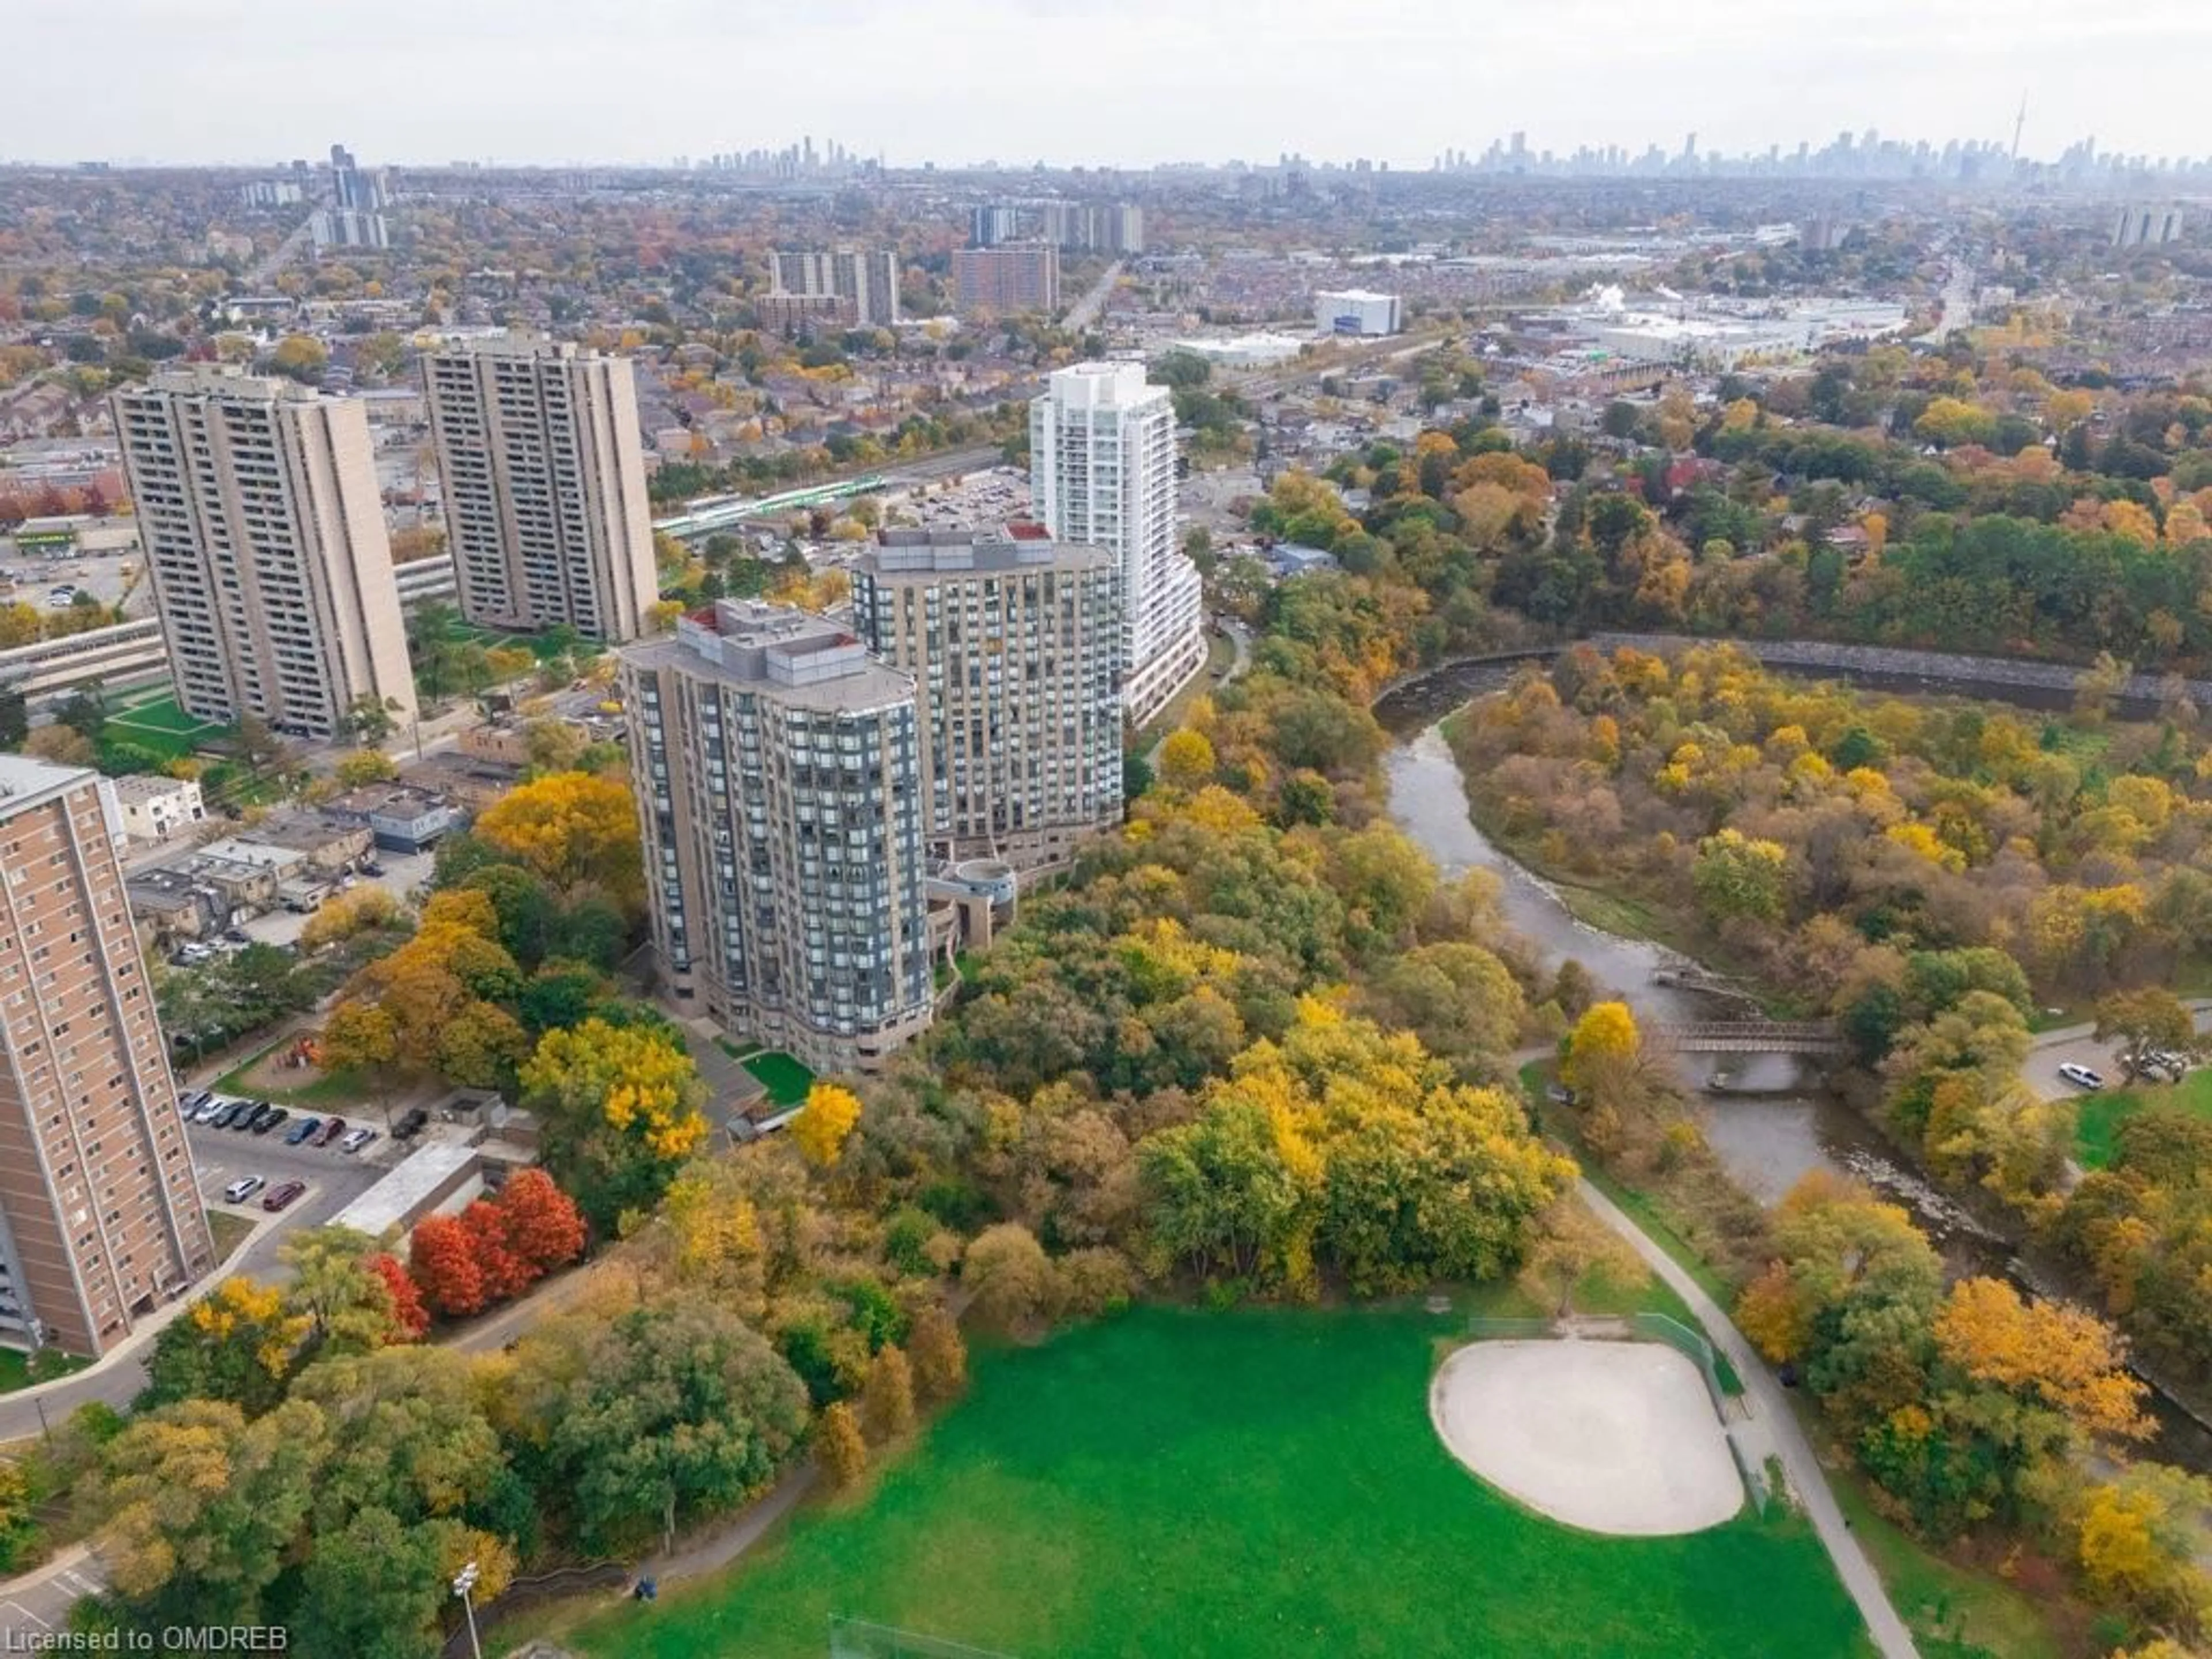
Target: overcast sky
pixel 1130 82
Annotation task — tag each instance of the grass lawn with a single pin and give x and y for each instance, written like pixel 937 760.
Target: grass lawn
pixel 2098 1117
pixel 1220 656
pixel 154 722
pixel 785 1080
pixel 334 1089
pixel 230 1231
pixel 16 1369
pixel 1248 1486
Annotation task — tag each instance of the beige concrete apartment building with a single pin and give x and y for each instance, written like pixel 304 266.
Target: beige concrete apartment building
pixel 864 281
pixel 543 474
pixel 264 532
pixel 778 775
pixel 1014 642
pixel 101 1219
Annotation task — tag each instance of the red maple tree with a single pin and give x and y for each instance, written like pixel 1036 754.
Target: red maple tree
pixel 544 1225
pixel 442 1259
pixel 408 1313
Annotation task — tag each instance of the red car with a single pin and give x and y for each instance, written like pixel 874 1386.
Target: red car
pixel 281 1195
pixel 331 1129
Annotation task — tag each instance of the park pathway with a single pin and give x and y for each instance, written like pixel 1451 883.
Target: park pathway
pixel 1772 1413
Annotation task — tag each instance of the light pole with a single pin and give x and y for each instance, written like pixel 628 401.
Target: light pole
pixel 463 1582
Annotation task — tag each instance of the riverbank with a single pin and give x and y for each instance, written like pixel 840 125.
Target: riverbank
pixel 1953 1603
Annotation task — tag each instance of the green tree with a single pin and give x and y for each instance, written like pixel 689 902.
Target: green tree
pixel 2146 1021
pixel 679 1411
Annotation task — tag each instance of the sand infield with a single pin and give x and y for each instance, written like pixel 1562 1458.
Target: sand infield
pixel 1609 1437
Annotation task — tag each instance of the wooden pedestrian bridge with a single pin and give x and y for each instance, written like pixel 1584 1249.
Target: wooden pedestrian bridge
pixel 1753 1036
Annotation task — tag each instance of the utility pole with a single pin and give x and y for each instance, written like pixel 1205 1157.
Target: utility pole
pixel 463 1582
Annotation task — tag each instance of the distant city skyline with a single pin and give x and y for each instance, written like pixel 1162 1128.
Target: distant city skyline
pixel 410 82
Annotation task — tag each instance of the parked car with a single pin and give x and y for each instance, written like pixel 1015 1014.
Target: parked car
pixel 412 1125
pixel 2080 1076
pixel 372 868
pixel 189 1103
pixel 333 1128
pixel 211 1108
pixel 243 1188
pixel 283 1195
pixel 241 1113
pixel 357 1139
pixel 267 1118
pixel 302 1132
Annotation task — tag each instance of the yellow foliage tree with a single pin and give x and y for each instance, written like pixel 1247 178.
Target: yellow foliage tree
pixel 2071 1359
pixel 823 1123
pixel 1186 760
pixel 1604 1039
pixel 574 828
pixel 638 1079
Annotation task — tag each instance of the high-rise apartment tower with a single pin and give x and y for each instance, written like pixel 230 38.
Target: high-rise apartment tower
pixel 864 280
pixel 1014 642
pixel 543 474
pixel 1102 473
pixel 264 532
pixel 101 1219
pixel 779 782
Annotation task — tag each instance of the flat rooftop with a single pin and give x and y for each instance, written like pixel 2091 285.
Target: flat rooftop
pixel 415 1180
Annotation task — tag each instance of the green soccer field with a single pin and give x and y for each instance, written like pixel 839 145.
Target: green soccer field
pixel 1243 1486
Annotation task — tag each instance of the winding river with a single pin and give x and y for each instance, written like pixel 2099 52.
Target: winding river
pixel 1773 1125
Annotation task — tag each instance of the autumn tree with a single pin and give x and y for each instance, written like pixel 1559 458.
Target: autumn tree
pixel 619 1107
pixel 442 1258
pixel 199 1509
pixel 887 1396
pixel 671 1412
pixel 236 1344
pixel 2069 1359
pixel 542 1223
pixel 940 1358
pixel 410 1318
pixel 1014 1285
pixel 1603 1050
pixel 1738 877
pixel 839 1446
pixel 2146 1021
pixel 823 1124
pixel 573 829
pixel 1572 1246
pixel 1186 759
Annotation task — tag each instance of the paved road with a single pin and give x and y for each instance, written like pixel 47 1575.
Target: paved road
pixel 1775 1425
pixel 1084 312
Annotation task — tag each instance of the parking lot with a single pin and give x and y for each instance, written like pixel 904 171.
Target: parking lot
pixel 334 1179
pixel 2075 1047
pixel 36 579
